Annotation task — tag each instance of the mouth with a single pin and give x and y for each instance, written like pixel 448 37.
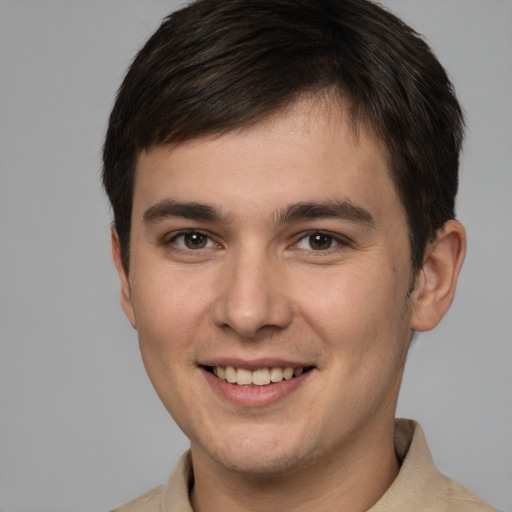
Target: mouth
pixel 256 378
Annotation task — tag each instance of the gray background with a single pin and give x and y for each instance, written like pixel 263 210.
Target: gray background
pixel 80 426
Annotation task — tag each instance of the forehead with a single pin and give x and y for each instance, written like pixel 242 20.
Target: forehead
pixel 310 151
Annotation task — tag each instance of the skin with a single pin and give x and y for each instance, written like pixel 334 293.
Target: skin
pixel 257 288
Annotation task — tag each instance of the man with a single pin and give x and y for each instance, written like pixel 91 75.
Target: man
pixel 283 176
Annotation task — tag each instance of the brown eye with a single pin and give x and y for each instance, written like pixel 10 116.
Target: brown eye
pixel 195 240
pixel 320 241
pixel 191 240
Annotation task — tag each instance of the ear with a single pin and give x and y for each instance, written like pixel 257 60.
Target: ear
pixel 126 296
pixel 437 279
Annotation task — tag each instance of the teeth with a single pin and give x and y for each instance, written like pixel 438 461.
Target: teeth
pixel 276 374
pixel 243 377
pixel 230 374
pixel 260 377
pixel 288 373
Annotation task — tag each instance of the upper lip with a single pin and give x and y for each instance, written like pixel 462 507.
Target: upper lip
pixel 255 364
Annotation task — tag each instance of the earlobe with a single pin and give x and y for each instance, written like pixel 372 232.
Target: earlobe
pixel 126 299
pixel 437 279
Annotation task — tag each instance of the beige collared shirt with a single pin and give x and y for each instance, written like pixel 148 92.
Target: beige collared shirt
pixel 419 486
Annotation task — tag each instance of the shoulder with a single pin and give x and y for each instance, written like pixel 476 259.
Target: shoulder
pixel 460 498
pixel 147 502
pixel 170 497
pixel 419 484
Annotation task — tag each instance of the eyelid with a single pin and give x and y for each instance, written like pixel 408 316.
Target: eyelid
pixel 339 240
pixel 170 239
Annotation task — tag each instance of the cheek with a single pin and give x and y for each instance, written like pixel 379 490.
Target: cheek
pixel 167 314
pixel 356 308
pixel 168 310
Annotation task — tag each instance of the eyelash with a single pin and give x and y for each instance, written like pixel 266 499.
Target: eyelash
pixel 333 240
pixel 172 241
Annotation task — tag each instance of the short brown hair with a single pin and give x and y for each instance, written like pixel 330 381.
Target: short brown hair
pixel 215 66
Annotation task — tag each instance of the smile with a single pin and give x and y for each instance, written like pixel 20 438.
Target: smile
pixel 259 377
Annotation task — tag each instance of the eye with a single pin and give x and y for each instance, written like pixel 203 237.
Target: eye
pixel 192 240
pixel 317 241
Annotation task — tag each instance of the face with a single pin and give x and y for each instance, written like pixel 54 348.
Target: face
pixel 277 250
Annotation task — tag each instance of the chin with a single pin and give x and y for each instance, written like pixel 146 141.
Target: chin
pixel 256 463
pixel 264 455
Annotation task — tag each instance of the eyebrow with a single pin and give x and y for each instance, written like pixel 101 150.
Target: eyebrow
pixel 336 209
pixel 185 210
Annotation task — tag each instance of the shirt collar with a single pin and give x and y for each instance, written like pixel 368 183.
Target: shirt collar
pixel 415 488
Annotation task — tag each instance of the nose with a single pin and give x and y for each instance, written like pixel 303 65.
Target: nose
pixel 252 298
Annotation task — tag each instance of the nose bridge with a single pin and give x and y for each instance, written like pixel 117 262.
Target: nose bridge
pixel 252 296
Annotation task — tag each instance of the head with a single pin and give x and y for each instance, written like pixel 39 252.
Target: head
pixel 214 67
pixel 279 171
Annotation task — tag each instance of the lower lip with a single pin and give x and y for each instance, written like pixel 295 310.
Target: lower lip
pixel 255 396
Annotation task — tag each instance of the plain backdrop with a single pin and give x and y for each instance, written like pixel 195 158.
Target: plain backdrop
pixel 80 426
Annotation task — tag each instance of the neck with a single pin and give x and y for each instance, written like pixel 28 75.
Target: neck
pixel 352 478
